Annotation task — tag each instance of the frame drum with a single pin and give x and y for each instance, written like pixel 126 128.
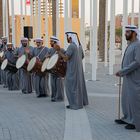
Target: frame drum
pixel 4 64
pixel 1 54
pixel 34 65
pixel 57 66
pixel 44 65
pixel 21 62
pixel 8 66
pixel 1 57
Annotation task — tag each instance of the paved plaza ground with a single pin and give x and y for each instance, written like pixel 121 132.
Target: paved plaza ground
pixel 25 117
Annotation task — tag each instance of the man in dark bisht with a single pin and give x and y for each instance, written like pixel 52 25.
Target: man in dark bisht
pixel 130 72
pixel 12 75
pixel 57 87
pixel 40 79
pixel 24 75
pixel 74 81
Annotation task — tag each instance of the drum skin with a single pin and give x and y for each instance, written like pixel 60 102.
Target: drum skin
pixel 8 66
pixel 35 66
pixel 58 67
pixel 22 62
pixel 1 57
pixel 44 65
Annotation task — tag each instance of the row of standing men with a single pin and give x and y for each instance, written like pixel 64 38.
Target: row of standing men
pixel 74 81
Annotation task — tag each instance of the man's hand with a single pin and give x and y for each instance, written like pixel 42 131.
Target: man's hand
pixel 48 56
pixel 118 74
pixel 27 50
pixel 56 47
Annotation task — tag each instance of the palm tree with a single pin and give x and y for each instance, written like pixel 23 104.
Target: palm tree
pixel 101 30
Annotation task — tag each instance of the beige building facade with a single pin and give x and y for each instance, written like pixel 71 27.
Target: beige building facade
pixel 75 27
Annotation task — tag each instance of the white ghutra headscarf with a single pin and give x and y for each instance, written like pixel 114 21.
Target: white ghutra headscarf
pixel 54 38
pixel 133 28
pixel 74 38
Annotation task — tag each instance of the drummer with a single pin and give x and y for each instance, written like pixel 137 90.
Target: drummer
pixel 3 46
pixel 24 76
pixel 12 78
pixel 57 87
pixel 74 81
pixel 41 79
pixel 3 74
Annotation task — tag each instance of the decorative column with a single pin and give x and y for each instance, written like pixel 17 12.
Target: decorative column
pixel 21 17
pixel 7 20
pixel 112 37
pixel 124 23
pixel 106 36
pixel 39 19
pixel 65 22
pixel 139 15
pixel 57 19
pixel 70 15
pixel 13 22
pixel 91 31
pixel 132 14
pixel 46 22
pixel 3 17
pixel 82 29
pixel 94 62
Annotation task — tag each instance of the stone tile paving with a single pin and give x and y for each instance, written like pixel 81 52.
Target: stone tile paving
pixel 25 117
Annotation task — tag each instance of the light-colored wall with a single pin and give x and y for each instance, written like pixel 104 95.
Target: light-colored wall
pixel 75 8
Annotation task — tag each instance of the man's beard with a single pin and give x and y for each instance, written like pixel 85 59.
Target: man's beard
pixel 39 46
pixel 128 38
pixel 4 43
pixel 24 45
pixel 9 49
pixel 52 45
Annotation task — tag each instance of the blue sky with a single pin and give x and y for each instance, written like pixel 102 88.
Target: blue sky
pixel 119 7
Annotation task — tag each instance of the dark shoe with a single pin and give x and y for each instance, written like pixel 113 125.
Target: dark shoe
pixel 5 86
pixel 24 92
pixel 130 126
pixel 53 100
pixel 119 121
pixel 43 95
pixel 68 106
pixel 39 96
